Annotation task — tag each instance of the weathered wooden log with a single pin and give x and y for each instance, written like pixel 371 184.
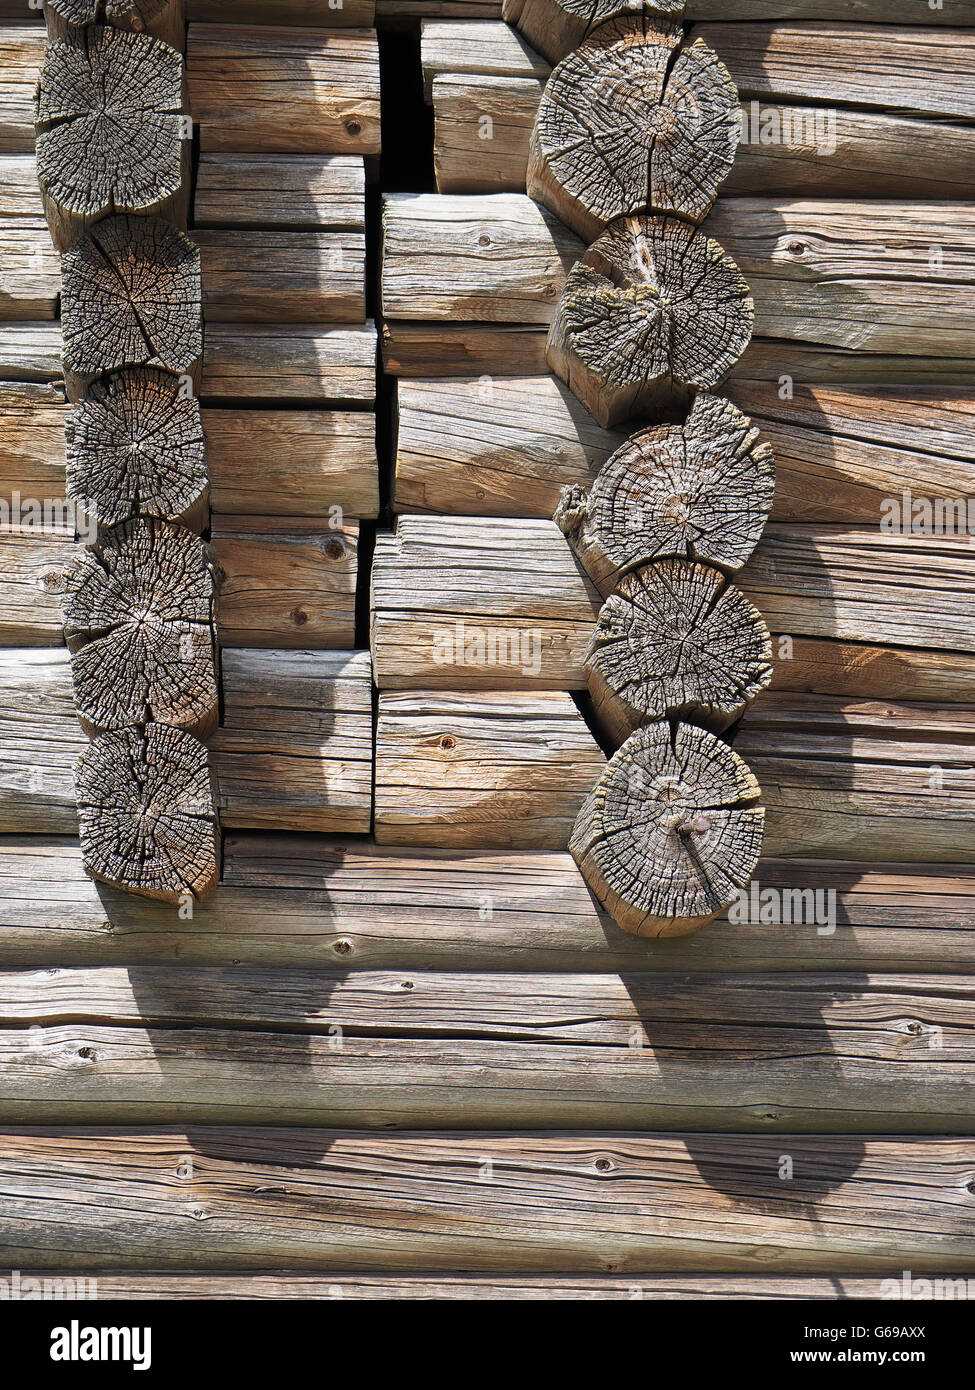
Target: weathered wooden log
pixel 286 582
pixel 163 19
pixel 861 670
pixel 488 259
pixel 290 192
pixel 498 771
pixel 135 446
pixel 308 91
pixel 631 122
pixel 132 298
pixel 147 813
pixel 831 784
pixel 351 13
pixel 652 311
pixel 302 463
pixel 110 138
pixel 676 640
pixel 33 560
pixel 556 27
pixel 881 11
pixel 311 901
pixel 295 364
pixel 670 832
pixel 470 604
pixel 861 1205
pixel 295 745
pixel 701 490
pixel 139 613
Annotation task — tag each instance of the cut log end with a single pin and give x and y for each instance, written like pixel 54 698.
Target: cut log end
pixel 147 813
pixel 676 640
pixel 108 115
pixel 699 491
pixel 624 127
pixel 556 27
pixel 132 296
pixel 670 832
pixel 653 311
pixel 138 614
pixel 135 445
pixel 162 19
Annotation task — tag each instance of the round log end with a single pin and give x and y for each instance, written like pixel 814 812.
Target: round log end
pixel 108 115
pixel 702 490
pixel 135 445
pixel 676 640
pixel 131 296
pixel 139 611
pixel 652 312
pixel 670 832
pixel 163 19
pixel 147 813
pixel 556 27
pixel 624 127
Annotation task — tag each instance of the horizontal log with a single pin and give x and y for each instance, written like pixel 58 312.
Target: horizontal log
pixel 304 764
pixel 758 1052
pixel 293 364
pixel 472 604
pixel 249 275
pixel 116 1200
pixel 813 268
pixel 309 901
pixel 484 124
pixel 252 90
pixel 146 1285
pixel 876 11
pixel 292 192
pixel 295 743
pixel 442 349
pixel 507 446
pixel 310 12
pixel 500 259
pixel 286 583
pixel 496 771
pixel 861 670
pixel 284 90
pixel 911 69
pixel 262 462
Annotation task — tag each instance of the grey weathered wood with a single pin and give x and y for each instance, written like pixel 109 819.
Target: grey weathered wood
pixel 110 138
pixel 701 490
pixel 671 830
pixel 163 19
pixel 32 565
pixel 305 12
pixel 463 603
pixel 496 771
pixel 116 1199
pixel 295 745
pixel 860 670
pixel 134 445
pixel 675 639
pixel 313 901
pixel 556 27
pixel 139 609
pixel 294 192
pixel 287 582
pixel 652 312
pixel 298 365
pixel 146 813
pixel 677 106
pixel 500 259
pixel 132 297
pixel 294 91
pixel 278 277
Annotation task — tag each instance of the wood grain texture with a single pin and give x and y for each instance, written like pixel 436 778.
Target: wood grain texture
pixel 307 12
pixel 860 670
pixel 710 1043
pixel 496 771
pixel 553 1203
pixel 163 19
pixel 32 565
pixel 294 750
pixel 283 276
pixel 314 901
pixel 465 603
pixel 293 192
pixel 500 259
pixel 284 90
pixel 286 582
pixel 302 463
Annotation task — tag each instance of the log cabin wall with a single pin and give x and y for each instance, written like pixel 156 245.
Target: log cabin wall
pixel 403 973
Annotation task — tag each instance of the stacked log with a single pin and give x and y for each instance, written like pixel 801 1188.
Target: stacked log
pixel 634 135
pixel 138 605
